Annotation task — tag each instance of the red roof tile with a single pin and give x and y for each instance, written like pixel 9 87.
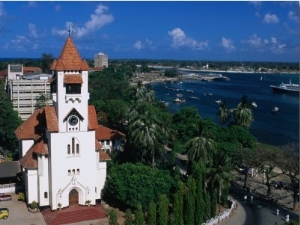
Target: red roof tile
pixel 29 160
pixel 105 133
pixel 73 79
pixel 33 127
pixel 41 148
pixel 103 156
pixel 69 59
pixel 27 70
pixel 51 119
pixel 93 121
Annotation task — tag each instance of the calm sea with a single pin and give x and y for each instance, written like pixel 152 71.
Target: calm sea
pixel 276 129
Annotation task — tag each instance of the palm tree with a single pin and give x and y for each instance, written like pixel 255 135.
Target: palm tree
pixel 199 146
pixel 223 113
pixel 219 173
pixel 243 114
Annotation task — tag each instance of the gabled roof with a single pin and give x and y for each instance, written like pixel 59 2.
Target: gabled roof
pixel 29 160
pixel 93 121
pixel 33 128
pixel 105 133
pixel 69 59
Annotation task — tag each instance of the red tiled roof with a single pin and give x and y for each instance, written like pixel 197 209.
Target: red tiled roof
pixel 51 119
pixel 29 160
pixel 73 79
pixel 69 58
pixel 103 156
pixel 105 133
pixel 33 127
pixel 3 74
pixel 27 69
pixel 93 121
pixel 41 147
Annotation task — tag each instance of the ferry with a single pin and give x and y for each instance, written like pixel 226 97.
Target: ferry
pixel 286 88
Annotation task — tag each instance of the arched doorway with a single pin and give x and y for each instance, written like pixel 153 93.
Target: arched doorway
pixel 73 197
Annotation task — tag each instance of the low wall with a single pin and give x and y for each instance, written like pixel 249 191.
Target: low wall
pixel 222 216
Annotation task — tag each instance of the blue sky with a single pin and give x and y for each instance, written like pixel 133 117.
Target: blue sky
pixel 194 30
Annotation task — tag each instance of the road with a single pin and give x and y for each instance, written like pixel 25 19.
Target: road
pixel 259 212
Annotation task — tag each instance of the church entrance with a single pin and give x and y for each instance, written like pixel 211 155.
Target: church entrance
pixel 73 197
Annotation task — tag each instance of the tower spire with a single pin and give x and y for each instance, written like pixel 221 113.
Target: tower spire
pixel 69 30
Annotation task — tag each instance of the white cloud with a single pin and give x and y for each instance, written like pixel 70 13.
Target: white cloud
pixel 255 41
pixel 270 18
pixel 32 30
pixel 180 39
pixel 293 16
pixel 227 44
pixel 20 40
pixel 271 44
pixel 96 22
pixel 138 45
pixel 57 8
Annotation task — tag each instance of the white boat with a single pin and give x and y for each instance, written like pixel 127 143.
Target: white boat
pixel 178 100
pixel 286 88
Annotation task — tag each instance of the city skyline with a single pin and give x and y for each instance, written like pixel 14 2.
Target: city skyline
pixel 212 31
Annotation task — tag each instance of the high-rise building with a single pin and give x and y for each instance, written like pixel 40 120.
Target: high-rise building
pixel 100 60
pixel 24 89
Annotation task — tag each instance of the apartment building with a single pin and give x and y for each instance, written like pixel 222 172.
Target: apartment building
pixel 24 89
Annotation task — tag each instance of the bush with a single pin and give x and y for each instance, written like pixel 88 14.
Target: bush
pixel 21 196
pixel 34 205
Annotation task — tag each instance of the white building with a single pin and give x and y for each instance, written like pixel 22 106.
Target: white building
pixel 25 89
pixel 63 163
pixel 100 60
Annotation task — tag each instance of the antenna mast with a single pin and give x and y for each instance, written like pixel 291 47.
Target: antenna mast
pixel 69 30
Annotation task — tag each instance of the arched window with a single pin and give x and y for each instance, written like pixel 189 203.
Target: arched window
pixel 73 146
pixel 69 149
pixel 77 148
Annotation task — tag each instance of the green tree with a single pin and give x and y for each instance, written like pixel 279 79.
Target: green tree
pixel 201 145
pixel 219 174
pixel 151 214
pixel 128 217
pixel 243 113
pixel 178 204
pixel 113 218
pixel 134 184
pixel 41 101
pixel 163 210
pixel 47 60
pixel 198 174
pixel 9 122
pixel 190 202
pixel 139 215
pixel 223 114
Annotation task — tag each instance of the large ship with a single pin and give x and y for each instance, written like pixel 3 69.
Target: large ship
pixel 286 88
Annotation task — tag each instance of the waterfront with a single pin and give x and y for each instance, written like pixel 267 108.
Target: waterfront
pixel 276 129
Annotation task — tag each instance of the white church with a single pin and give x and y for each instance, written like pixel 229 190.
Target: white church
pixel 63 162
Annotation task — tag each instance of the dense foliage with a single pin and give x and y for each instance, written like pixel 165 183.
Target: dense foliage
pixel 136 184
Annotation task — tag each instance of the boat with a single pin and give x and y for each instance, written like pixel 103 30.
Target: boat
pixel 178 100
pixel 286 88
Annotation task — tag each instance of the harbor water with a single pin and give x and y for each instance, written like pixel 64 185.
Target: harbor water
pixel 277 128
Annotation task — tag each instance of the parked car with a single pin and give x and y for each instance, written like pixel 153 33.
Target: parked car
pixel 4 213
pixel 5 197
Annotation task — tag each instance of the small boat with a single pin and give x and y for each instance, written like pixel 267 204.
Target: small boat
pixel 218 101
pixel 276 109
pixel 254 104
pixel 178 100
pixel 190 91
